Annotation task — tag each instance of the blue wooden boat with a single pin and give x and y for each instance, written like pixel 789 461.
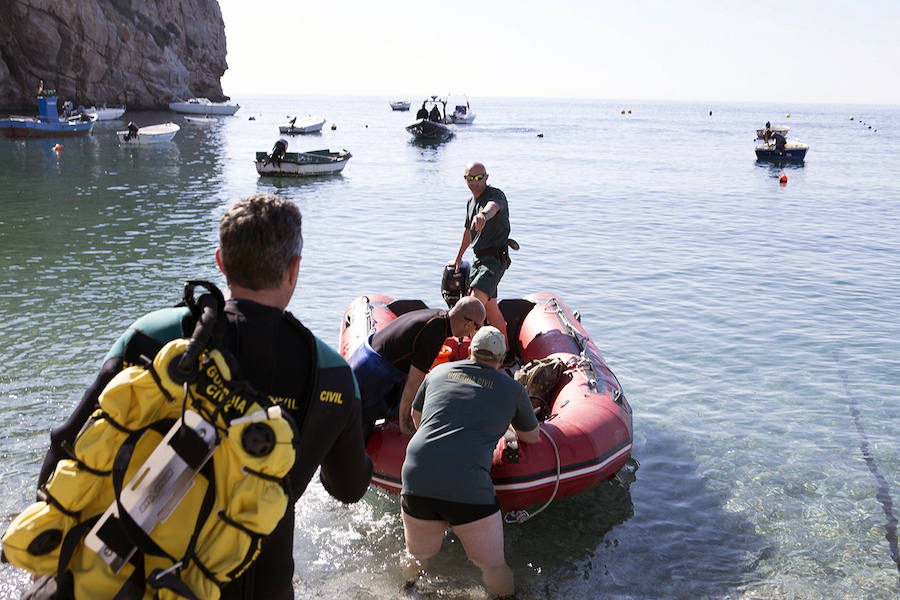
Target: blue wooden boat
pixel 47 123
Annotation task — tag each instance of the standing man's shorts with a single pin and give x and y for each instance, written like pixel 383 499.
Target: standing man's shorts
pixel 487 271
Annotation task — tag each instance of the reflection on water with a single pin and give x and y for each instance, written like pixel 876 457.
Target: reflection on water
pixel 717 296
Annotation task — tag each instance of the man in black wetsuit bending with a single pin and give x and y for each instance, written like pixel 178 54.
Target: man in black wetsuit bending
pixel 260 244
pixel 404 350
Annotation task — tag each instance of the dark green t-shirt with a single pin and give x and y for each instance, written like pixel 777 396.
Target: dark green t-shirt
pixel 496 230
pixel 466 408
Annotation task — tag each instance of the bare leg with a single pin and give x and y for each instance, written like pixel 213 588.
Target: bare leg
pixel 483 542
pixel 492 311
pixel 423 540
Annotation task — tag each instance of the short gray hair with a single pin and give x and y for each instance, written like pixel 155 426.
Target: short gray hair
pixel 259 236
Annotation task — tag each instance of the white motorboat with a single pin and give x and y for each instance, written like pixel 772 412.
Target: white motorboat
pixel 200 119
pixel 308 124
pixel 400 105
pixel 152 134
pixel 204 106
pixel 299 164
pixel 105 113
pixel 461 115
pixel 775 146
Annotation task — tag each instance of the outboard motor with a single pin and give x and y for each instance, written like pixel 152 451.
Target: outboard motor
pixel 132 131
pixel 455 284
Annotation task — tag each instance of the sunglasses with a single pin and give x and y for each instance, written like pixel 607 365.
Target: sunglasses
pixel 478 177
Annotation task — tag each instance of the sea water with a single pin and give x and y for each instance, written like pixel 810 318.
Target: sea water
pixel 754 326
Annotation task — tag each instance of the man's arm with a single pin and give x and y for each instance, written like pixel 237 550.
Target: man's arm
pixel 347 469
pixel 490 209
pixel 413 381
pixel 466 240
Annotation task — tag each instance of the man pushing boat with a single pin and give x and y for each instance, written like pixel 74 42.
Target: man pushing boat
pixel 404 351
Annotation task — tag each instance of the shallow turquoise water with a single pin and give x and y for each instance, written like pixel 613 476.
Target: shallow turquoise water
pixel 753 326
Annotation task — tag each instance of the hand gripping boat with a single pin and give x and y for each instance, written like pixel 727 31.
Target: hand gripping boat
pixel 172 484
pixel 586 436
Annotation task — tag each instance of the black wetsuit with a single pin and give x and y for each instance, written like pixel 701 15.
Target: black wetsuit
pixel 422 114
pixel 414 338
pixel 283 359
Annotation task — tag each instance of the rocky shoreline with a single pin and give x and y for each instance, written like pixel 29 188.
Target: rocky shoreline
pixel 142 53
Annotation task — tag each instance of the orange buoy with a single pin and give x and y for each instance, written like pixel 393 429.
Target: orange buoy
pixel 57 147
pixel 782 178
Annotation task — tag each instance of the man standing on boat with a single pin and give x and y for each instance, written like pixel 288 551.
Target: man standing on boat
pixel 260 245
pixel 461 410
pixel 404 350
pixel 487 231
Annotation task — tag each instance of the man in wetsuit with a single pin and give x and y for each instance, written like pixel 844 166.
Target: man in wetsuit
pixel 423 112
pixel 260 243
pixel 435 114
pixel 404 350
pixel 461 410
pixel 487 231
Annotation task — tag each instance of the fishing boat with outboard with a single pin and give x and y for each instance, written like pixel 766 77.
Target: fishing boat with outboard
pixel 431 124
pixel 48 123
pixel 151 134
pixel 309 124
pixel 776 147
pixel 300 164
pixel 585 420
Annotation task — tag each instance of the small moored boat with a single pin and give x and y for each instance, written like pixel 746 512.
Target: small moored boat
pixel 462 114
pixel 200 119
pixel 308 124
pixel 300 164
pixel 776 147
pixel 151 134
pixel 105 113
pixel 48 122
pixel 204 106
pixel 400 105
pixel 586 427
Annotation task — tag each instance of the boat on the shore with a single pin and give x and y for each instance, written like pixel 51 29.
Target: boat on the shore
pixel 776 147
pixel 400 105
pixel 308 124
pixel 204 106
pixel 151 134
pixel 301 164
pixel 48 122
pixel 586 427
pixel 105 113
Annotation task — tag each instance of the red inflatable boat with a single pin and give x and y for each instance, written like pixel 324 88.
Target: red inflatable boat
pixel 587 436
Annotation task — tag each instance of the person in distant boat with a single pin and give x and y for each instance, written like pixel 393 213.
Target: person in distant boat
pixel 435 114
pixel 403 351
pixel 767 132
pixel 423 112
pixel 278 152
pixel 487 231
pixel 461 410
pixel 780 141
pixel 259 253
pixel 292 121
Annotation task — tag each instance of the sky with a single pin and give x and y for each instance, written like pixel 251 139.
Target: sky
pixel 830 51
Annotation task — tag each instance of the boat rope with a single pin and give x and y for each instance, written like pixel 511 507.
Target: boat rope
pixel 883 494
pixel 520 516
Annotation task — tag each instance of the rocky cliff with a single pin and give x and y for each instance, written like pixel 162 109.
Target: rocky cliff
pixel 143 53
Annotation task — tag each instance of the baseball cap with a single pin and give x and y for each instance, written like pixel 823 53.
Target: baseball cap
pixel 489 341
